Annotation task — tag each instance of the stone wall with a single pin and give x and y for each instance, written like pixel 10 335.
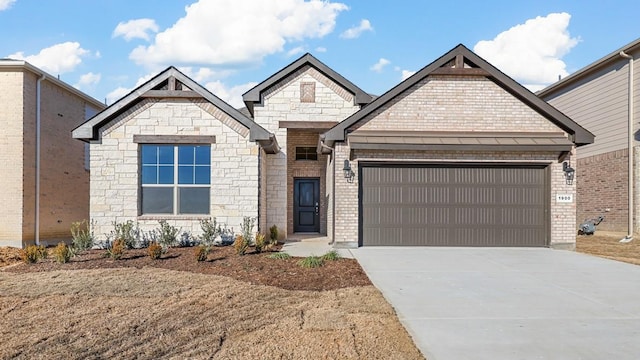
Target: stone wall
pixel 115 175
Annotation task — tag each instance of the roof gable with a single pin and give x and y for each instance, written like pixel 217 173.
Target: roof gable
pixel 462 61
pixel 254 96
pixel 171 83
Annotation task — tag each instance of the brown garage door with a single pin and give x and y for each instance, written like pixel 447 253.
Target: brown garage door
pixel 453 205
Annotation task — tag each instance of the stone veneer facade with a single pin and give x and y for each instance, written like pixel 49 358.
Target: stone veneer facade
pixel 453 103
pixel 282 102
pixel 64 181
pixel 115 182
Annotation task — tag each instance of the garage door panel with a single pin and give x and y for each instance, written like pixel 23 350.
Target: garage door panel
pixel 454 206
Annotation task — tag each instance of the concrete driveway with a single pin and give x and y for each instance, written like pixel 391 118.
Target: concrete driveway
pixel 501 303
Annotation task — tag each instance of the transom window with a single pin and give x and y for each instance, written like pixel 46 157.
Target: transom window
pixel 176 179
pixel 306 153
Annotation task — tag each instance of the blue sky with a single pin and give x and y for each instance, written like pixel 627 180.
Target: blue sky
pixel 108 47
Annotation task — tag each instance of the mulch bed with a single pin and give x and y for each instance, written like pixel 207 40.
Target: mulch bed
pixel 254 268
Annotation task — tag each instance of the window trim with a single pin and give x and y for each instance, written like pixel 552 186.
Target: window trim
pixel 306 151
pixel 174 139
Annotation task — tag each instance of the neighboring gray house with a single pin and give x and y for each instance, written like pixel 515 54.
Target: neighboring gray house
pixel 458 154
pixel 597 97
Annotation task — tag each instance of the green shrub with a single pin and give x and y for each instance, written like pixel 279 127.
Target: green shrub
pixel 212 230
pixel 62 253
pixel 280 256
pixel 331 256
pixel 273 233
pixel 202 252
pixel 168 234
pixel 82 236
pixel 311 262
pixel 32 254
pixel 241 245
pixel 127 232
pixel 155 250
pixel 260 243
pixel 247 228
pixel 116 249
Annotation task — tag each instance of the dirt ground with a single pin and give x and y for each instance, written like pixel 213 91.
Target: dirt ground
pixel 608 245
pixel 99 308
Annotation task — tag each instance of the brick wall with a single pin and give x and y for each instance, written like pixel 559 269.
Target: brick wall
pixel 602 185
pixel 115 174
pixel 305 169
pixel 11 155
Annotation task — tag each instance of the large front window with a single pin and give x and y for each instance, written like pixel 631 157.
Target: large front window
pixel 176 179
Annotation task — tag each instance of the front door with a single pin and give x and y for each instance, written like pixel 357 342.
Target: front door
pixel 306 205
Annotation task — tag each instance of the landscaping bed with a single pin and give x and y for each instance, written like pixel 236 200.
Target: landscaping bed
pixel 608 245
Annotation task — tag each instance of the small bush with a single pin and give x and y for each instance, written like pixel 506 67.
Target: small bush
pixel 331 256
pixel 273 233
pixel 311 262
pixel 155 250
pixel 62 253
pixel 186 240
pixel 168 234
pixel 116 249
pixel 260 243
pixel 201 252
pixel 127 232
pixel 241 245
pixel 32 254
pixel 247 228
pixel 82 236
pixel 280 256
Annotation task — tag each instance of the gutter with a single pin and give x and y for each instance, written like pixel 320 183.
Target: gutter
pixel 630 224
pixel 38 121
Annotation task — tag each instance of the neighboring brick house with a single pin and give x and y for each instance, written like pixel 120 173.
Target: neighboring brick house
pixel 458 154
pixel 597 97
pixel 41 211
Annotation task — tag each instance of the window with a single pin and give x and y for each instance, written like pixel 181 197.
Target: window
pixel 176 179
pixel 306 153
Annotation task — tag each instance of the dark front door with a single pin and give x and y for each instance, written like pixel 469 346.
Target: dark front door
pixel 306 205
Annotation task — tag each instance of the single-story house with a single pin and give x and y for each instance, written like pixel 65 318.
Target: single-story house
pixel 605 97
pixel 45 173
pixel 458 154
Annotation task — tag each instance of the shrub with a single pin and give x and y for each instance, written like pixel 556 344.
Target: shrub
pixel 273 233
pixel 82 235
pixel 247 228
pixel 116 249
pixel 186 240
pixel 32 254
pixel 241 245
pixel 331 256
pixel 201 252
pixel 168 234
pixel 261 242
pixel 280 256
pixel 155 250
pixel 127 232
pixel 210 231
pixel 62 253
pixel 311 262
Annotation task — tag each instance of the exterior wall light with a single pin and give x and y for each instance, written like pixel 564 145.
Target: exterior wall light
pixel 569 172
pixel 348 173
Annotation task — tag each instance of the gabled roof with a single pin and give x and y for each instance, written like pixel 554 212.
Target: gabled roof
pixel 585 71
pixel 165 85
pixel 464 62
pixel 254 96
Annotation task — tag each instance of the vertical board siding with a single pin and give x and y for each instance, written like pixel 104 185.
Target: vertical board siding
pixel 454 206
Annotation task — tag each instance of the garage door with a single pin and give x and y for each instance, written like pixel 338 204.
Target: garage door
pixel 453 205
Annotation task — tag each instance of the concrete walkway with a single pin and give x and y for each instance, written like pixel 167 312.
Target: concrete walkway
pixel 312 244
pixel 497 303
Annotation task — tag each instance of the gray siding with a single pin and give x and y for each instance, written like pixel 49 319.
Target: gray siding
pixel 598 102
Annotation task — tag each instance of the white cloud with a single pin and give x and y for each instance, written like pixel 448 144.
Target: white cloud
pixel 138 28
pixel 57 59
pixel 295 51
pixel 224 32
pixel 121 91
pixel 232 95
pixel 356 31
pixel 406 74
pixel 531 53
pixel 203 74
pixel 377 67
pixel 5 4
pixel 321 49
pixel 88 79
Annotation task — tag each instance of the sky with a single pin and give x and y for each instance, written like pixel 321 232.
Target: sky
pixel 106 48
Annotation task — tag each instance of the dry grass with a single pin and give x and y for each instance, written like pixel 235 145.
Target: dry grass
pixel 608 245
pixel 154 313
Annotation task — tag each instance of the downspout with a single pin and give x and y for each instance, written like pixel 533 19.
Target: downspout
pixel 630 232
pixel 37 210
